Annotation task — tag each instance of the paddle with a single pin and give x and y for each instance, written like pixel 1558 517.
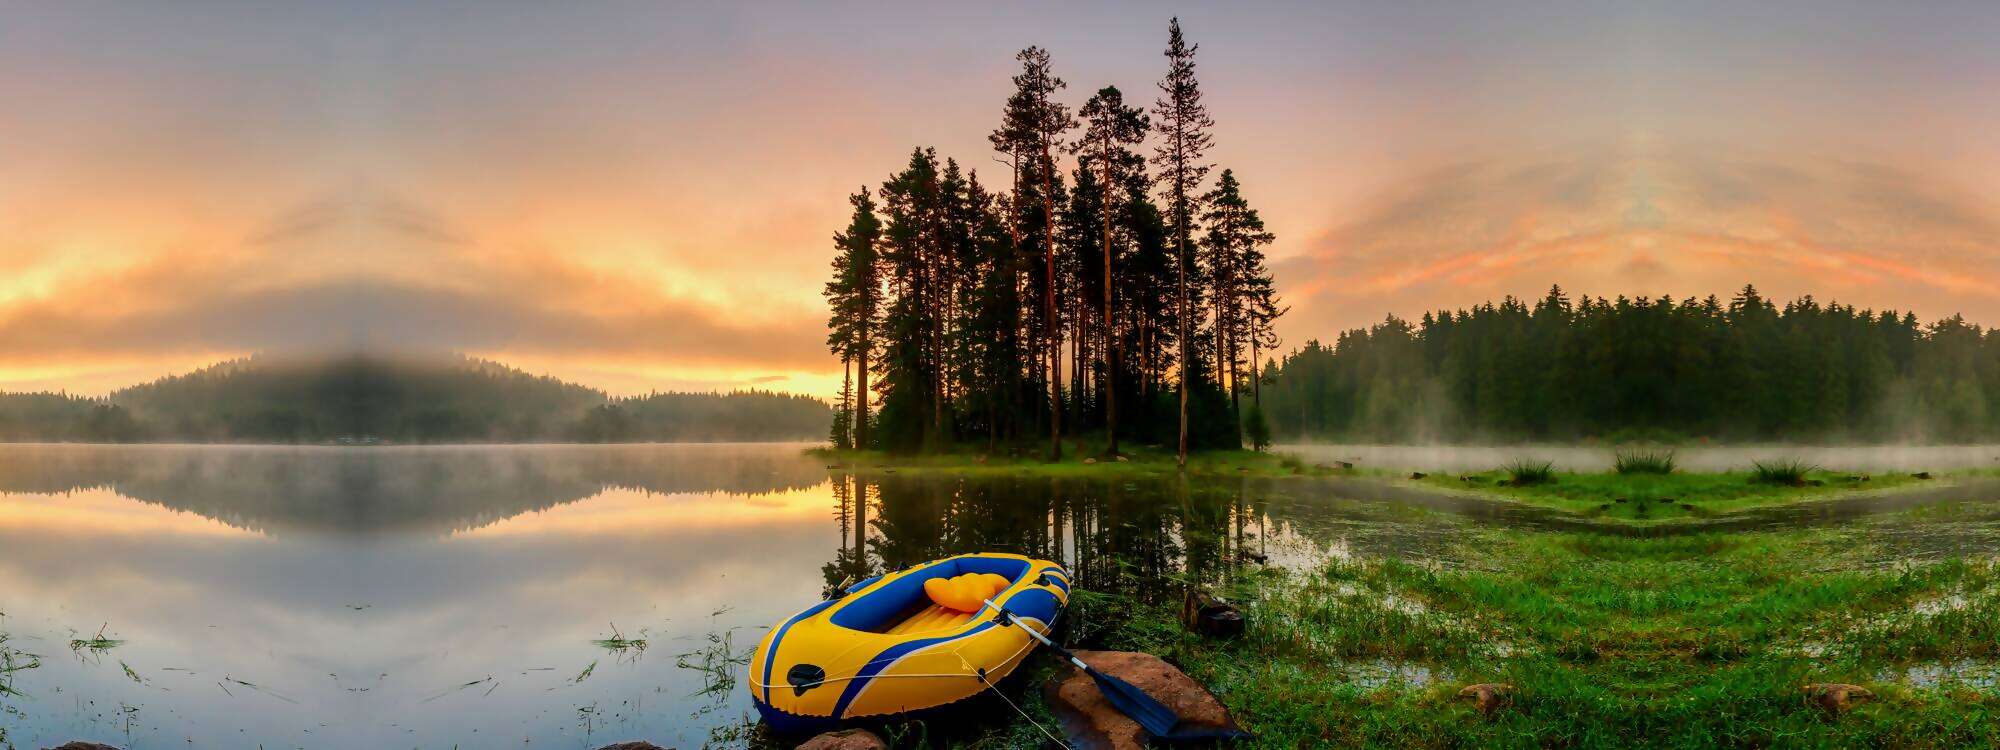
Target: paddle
pixel 1158 720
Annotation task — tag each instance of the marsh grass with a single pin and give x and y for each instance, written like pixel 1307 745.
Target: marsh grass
pixel 12 661
pixel 1611 641
pixel 1644 461
pixel 96 644
pixel 622 647
pixel 1526 473
pixel 1789 472
pixel 717 661
pixel 1656 498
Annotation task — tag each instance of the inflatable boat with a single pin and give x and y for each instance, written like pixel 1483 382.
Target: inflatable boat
pixel 905 641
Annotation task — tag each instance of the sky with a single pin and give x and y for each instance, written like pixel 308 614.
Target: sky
pixel 641 196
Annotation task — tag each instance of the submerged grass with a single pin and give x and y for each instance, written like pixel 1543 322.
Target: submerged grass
pixel 96 644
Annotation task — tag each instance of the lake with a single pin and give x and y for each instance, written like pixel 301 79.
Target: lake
pixel 326 597
pixel 434 597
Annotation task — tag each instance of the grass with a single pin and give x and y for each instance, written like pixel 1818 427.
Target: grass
pixel 96 644
pixel 1525 473
pixel 1651 498
pixel 1644 461
pixel 12 661
pixel 1790 472
pixel 620 646
pixel 1686 641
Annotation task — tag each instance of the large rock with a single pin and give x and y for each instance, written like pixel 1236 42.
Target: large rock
pixel 846 739
pixel 1093 724
pixel 632 746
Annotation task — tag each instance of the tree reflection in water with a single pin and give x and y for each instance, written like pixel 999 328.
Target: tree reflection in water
pixel 1147 538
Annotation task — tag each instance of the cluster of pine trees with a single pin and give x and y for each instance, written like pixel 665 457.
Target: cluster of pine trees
pixel 1645 368
pixel 959 305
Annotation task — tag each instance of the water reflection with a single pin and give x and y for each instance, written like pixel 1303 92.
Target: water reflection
pixel 435 490
pixel 440 597
pixel 432 597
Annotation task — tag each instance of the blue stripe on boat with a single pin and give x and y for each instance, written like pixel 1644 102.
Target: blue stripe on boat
pixel 889 656
pixel 1058 579
pixel 771 656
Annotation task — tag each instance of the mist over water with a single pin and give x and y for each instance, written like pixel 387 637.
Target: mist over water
pixel 1700 457
pixel 326 597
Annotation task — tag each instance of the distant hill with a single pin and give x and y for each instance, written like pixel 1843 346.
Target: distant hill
pixel 403 400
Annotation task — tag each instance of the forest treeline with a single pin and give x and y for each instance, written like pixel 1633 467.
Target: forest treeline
pixel 1125 295
pixel 1742 369
pixel 398 399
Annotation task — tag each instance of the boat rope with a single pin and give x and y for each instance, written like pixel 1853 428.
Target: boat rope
pixel 1017 709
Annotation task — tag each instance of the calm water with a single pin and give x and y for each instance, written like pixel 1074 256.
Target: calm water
pixel 441 597
pixel 432 597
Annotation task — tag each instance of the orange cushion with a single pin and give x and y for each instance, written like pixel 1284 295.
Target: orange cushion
pixel 965 593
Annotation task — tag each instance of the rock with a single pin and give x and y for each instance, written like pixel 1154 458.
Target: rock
pixel 1091 722
pixel 632 746
pixel 1835 698
pixel 1090 460
pixel 83 746
pixel 846 739
pixel 1488 696
pixel 1417 475
pixel 1205 613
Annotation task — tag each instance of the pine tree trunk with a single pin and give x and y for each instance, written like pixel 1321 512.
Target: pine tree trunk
pixel 861 391
pixel 1110 331
pixel 1181 231
pixel 1256 382
pixel 1052 326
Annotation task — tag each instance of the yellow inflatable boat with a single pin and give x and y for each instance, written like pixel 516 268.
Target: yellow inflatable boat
pixel 905 641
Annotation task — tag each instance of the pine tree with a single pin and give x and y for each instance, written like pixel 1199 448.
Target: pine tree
pixel 1239 284
pixel 1184 141
pixel 1111 131
pixel 854 295
pixel 1032 130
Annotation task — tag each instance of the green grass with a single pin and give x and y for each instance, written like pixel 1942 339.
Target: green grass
pixel 1644 461
pixel 1525 473
pixel 1790 472
pixel 1611 642
pixel 1679 496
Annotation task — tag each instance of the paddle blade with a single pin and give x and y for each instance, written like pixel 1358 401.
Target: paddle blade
pixel 1158 720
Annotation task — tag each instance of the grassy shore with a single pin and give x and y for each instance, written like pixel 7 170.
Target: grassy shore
pixel 1645 497
pixel 1695 641
pixel 1080 458
pixel 1691 641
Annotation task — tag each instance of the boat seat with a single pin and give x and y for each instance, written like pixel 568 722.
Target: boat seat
pixel 929 619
